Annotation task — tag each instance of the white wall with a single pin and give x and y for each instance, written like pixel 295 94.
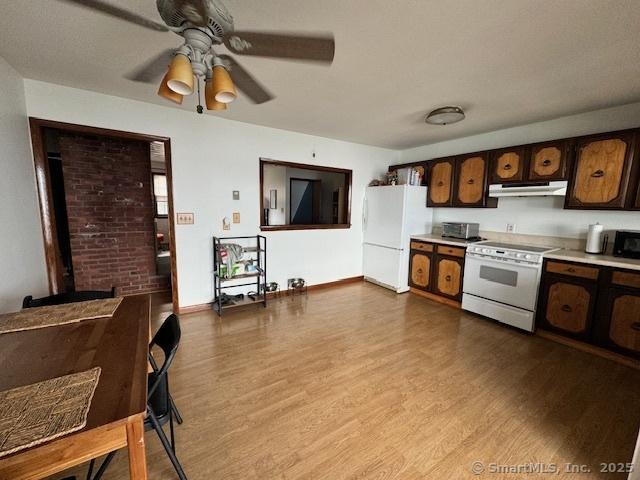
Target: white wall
pixel 211 157
pixel 540 216
pixel 22 264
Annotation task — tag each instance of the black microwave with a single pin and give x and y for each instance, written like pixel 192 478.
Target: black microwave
pixel 627 244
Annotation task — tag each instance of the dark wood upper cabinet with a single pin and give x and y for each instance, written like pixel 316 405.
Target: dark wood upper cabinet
pixel 602 171
pixel 441 178
pixel 509 165
pixel 548 161
pixel 472 181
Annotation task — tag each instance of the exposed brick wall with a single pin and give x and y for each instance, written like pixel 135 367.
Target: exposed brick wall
pixel 109 204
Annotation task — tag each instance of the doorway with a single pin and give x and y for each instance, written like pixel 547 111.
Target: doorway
pixel 106 205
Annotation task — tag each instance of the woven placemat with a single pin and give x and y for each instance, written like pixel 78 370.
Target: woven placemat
pixel 37 413
pixel 50 316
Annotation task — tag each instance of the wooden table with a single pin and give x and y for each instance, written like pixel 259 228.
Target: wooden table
pixel 118 345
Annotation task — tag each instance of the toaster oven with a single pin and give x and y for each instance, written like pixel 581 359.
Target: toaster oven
pixel 460 230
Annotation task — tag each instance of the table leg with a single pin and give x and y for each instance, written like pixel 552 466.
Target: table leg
pixel 135 447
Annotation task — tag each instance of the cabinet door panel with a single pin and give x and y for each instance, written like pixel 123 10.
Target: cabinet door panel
pixel 420 270
pixel 471 181
pixel 440 183
pixel 567 307
pixel 508 166
pixel 548 162
pixel 601 172
pixel 624 330
pixel 448 277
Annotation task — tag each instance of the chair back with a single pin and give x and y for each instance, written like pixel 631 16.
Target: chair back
pixel 168 339
pixel 67 297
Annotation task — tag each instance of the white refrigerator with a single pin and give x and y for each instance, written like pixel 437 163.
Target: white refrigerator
pixel 391 214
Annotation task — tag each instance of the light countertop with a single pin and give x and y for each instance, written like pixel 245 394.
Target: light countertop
pixel 434 238
pixel 605 260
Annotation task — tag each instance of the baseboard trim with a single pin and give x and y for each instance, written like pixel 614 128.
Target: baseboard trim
pixel 194 308
pixel 319 286
pixel 322 286
pixel 588 348
pixel 436 298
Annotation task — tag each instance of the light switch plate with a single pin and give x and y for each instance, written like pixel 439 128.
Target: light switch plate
pixel 185 218
pixel 236 217
pixel 236 194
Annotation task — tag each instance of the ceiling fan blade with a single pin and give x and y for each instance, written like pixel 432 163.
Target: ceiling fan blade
pixel 246 82
pixel 195 11
pixel 152 70
pixel 126 15
pixel 282 45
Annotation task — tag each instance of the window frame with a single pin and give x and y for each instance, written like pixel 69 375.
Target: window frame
pixel 348 184
pixel 153 191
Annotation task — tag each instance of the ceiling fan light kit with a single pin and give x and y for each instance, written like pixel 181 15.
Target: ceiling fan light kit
pixel 204 24
pixel 445 116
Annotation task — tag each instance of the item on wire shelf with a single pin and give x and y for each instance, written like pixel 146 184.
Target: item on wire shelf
pixel 230 255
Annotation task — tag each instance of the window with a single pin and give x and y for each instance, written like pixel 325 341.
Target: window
pixel 296 196
pixel 160 195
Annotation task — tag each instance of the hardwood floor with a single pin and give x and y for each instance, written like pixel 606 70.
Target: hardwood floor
pixel 357 382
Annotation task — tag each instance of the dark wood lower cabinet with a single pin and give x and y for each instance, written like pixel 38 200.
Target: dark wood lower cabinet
pixel 567 306
pixel 619 322
pixel 448 277
pixel 437 276
pixel 602 309
pixel 420 270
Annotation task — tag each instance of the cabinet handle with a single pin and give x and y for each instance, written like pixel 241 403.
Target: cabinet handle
pixel 471 181
pixel 420 271
pixel 546 162
pixel 507 167
pixel 597 174
pixel 440 183
pixel 571 270
pixel 448 278
pixel 636 326
pixel 565 308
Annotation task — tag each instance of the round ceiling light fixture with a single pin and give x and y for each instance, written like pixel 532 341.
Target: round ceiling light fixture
pixel 445 116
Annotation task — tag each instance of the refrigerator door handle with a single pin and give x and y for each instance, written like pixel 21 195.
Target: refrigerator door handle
pixel 365 214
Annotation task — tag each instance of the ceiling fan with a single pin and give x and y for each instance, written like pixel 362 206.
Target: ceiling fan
pixel 205 25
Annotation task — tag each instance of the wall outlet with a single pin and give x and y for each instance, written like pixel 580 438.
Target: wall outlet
pixel 236 217
pixel 184 218
pixel 511 228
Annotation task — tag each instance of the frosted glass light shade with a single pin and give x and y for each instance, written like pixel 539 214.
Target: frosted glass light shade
pixel 180 75
pixel 165 92
pixel 223 87
pixel 210 98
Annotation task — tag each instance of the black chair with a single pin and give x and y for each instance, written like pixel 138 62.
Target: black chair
pixel 67 297
pixel 160 406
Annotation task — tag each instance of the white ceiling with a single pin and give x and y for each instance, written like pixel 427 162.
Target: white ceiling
pixel 506 62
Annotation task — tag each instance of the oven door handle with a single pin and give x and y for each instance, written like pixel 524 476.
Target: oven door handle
pixel 504 263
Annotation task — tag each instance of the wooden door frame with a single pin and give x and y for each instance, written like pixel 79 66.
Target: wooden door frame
pixel 45 197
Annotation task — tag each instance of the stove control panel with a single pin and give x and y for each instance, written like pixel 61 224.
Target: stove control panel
pixel 505 255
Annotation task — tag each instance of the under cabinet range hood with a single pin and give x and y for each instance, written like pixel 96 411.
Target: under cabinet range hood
pixel 545 189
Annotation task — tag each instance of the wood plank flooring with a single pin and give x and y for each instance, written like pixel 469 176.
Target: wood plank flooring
pixel 357 382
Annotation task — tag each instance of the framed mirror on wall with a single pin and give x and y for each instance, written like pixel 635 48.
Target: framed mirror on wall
pixel 297 196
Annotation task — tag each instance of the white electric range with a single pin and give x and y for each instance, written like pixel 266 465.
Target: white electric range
pixel 501 281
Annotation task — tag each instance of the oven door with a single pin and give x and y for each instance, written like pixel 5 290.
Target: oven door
pixel 502 281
